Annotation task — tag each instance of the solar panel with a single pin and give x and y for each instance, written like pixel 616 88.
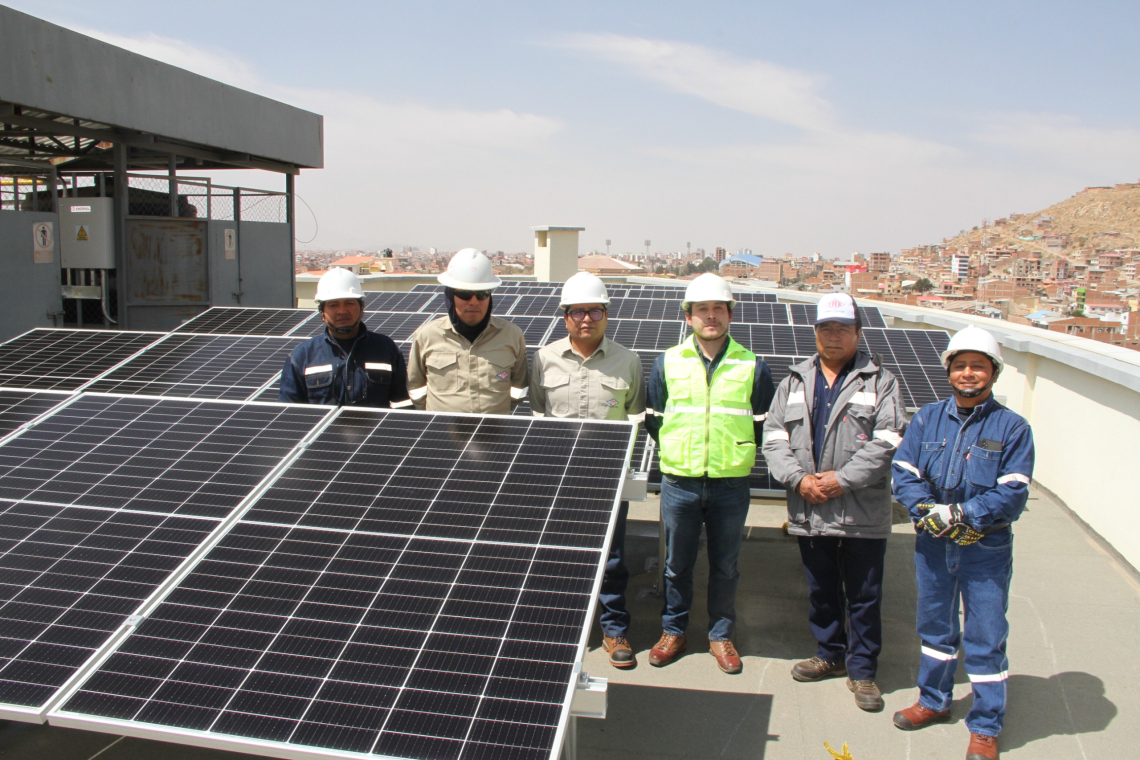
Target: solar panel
pixel 752 297
pixel 785 340
pixel 536 306
pixel 424 287
pixel 69 577
pixel 387 301
pixel 168 456
pixel 228 320
pixel 534 328
pixel 396 325
pixel 345 613
pixel 804 314
pixel 761 313
pixel 50 359
pixel 201 366
pixel 645 308
pixel 21 407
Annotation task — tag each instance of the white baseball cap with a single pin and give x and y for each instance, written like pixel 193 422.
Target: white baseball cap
pixel 837 307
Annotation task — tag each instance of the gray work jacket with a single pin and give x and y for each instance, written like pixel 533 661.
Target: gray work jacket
pixel 865 427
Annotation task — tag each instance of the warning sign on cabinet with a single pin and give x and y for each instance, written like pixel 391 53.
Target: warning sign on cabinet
pixel 231 243
pixel 43 243
pixel 81 232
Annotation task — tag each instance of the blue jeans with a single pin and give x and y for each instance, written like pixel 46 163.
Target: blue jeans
pixel 721 505
pixel 615 617
pixel 845 582
pixel 979 576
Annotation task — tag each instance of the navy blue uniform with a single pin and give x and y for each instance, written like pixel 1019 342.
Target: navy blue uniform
pixel 371 372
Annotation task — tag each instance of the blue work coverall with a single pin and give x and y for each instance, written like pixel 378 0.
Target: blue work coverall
pixel 984 463
pixel 371 373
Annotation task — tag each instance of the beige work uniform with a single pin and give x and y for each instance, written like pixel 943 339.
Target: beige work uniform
pixel 605 386
pixel 448 373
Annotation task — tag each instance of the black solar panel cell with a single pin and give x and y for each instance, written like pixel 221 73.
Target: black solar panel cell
pixel 534 328
pixel 645 308
pixel 774 339
pixel 201 366
pixel 225 320
pixel 21 407
pixel 424 287
pixel 491 479
pixel 388 301
pixel 64 360
pixel 652 335
pixel 160 455
pixel 536 306
pixel 804 314
pixel 760 313
pixel 69 577
pixel 748 297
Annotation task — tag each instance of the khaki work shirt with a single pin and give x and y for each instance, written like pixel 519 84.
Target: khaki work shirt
pixel 448 373
pixel 606 386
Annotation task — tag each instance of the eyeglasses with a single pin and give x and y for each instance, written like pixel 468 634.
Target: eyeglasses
pixel 579 314
pixel 467 295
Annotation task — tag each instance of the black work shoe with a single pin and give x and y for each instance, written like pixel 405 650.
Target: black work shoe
pixel 867 695
pixel 816 669
pixel 619 650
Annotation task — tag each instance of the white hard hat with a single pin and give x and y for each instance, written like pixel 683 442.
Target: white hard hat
pixel 584 287
pixel 973 339
pixel 470 270
pixel 338 283
pixel 708 287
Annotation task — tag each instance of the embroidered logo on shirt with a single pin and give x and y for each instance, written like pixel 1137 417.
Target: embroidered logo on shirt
pixel 612 402
pixel 504 375
pixel 861 437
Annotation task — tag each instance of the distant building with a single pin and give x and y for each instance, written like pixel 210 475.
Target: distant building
pixel 720 254
pixel 880 262
pixel 357 264
pixel 604 265
pixel 960 267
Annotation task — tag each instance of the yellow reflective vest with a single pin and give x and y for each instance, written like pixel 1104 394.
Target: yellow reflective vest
pixel 708 425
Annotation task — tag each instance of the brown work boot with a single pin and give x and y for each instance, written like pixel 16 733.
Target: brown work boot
pixel 726 657
pixel 917 716
pixel 982 747
pixel 666 649
pixel 816 669
pixel 867 695
pixel 619 650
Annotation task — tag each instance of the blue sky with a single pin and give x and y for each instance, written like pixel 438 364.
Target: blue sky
pixel 780 127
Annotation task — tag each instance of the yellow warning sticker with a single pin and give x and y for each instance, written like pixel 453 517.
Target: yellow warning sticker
pixel 80 232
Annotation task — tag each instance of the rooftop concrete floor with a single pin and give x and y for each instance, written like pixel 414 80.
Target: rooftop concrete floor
pixel 1074 614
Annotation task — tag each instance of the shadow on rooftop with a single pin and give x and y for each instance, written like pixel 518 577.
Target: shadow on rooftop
pixel 654 723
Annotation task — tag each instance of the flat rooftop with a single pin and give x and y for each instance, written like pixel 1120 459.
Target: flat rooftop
pixel 1074 616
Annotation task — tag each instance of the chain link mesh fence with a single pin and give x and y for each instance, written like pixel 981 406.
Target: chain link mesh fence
pixel 23 188
pixel 263 206
pixel 201 199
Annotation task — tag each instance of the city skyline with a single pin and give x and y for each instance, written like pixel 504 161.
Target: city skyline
pixel 787 129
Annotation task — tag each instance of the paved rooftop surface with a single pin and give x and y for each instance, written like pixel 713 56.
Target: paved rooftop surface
pixel 1075 618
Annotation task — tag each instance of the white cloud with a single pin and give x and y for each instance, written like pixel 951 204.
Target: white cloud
pixel 1065 142
pixel 753 86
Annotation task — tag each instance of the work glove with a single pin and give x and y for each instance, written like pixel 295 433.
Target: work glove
pixel 940 519
pixel 963 535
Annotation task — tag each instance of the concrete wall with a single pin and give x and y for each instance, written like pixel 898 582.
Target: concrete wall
pixel 47 67
pixel 28 291
pixel 266 264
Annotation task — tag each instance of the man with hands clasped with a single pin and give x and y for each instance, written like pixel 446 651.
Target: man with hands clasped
pixel 829 438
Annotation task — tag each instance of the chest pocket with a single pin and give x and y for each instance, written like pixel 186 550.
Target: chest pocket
pixel 678 379
pixel 615 390
pixel 318 376
pixel 442 371
pixel 557 387
pixel 930 460
pixel 859 426
pixel 379 373
pixel 982 467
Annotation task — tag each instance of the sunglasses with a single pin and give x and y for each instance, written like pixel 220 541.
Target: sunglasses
pixel 467 295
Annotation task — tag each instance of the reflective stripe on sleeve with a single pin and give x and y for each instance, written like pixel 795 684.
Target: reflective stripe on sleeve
pixel 417 393
pixel 378 365
pixel 777 435
pixel 864 397
pixel 318 369
pixel 738 361
pixel 889 436
pixel 909 468
pixel 652 412
pixel 758 417
pixel 795 397
pixel 934 653
pixel 402 404
pixel 990 678
pixel 537 414
pixel 1012 477
pixel 636 417
pixel 518 393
